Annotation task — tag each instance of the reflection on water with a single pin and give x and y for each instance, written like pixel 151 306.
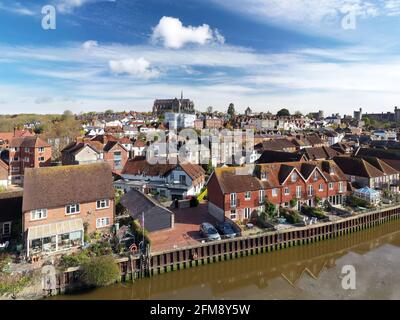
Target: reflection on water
pixel 306 272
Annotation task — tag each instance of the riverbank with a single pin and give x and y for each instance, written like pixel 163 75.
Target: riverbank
pixel 313 271
pixel 207 253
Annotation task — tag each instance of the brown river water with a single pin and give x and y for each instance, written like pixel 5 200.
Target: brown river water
pixel 311 271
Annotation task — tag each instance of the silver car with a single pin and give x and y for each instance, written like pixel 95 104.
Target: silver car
pixel 208 231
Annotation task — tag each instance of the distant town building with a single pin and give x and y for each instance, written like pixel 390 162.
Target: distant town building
pixel 388 116
pixel 358 115
pixel 181 105
pixel 178 121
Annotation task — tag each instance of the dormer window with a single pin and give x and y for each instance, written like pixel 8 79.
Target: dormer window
pixel 264 176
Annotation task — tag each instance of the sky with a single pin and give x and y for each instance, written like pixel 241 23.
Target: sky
pixel 304 55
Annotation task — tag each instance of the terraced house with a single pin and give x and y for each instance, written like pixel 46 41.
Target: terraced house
pixel 61 203
pixel 235 193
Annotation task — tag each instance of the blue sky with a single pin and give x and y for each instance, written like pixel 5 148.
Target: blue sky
pixel 306 55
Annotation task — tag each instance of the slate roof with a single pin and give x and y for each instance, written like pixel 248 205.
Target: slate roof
pixel 320 153
pixel 52 187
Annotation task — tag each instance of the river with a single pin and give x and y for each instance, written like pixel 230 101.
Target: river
pixel 311 271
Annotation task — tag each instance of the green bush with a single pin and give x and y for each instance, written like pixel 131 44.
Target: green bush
pixel 290 216
pixel 293 203
pixel 5 260
pixel 74 260
pixel 100 271
pixel 139 233
pixel 312 212
pixel 353 201
pixel 12 284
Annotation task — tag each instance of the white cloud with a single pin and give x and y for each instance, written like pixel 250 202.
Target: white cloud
pixel 89 44
pixel 68 6
pixel 135 67
pixel 17 8
pixel 310 12
pixel 174 35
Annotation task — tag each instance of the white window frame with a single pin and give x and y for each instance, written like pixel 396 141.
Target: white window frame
pixel 27 150
pixel 26 159
pixel 102 204
pixel 261 195
pixel 102 222
pixel 16 159
pixel 293 177
pixel 246 213
pixel 41 149
pixel 330 185
pixel 298 192
pixel 321 187
pixel 274 192
pixel 233 214
pixel 74 208
pixel 233 199
pixel 310 190
pixel 41 159
pixel 341 188
pixel 8 223
pixel 41 212
pixel 264 176
pixel 247 195
pixel 286 191
pixel 15 169
pixel 315 175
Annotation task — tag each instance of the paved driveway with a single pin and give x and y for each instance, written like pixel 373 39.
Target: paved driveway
pixel 185 231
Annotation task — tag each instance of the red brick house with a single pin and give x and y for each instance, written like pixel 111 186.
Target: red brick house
pixel 98 149
pixel 237 192
pixel 27 152
pixel 61 203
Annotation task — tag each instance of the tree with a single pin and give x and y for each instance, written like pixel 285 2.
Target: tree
pixel 283 113
pixel 298 114
pixel 209 110
pixel 67 115
pixel 100 271
pixel 231 110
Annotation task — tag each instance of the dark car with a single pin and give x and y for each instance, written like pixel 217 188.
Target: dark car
pixel 226 229
pixel 208 231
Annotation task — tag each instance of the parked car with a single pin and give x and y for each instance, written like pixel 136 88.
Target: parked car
pixel 226 229
pixel 208 231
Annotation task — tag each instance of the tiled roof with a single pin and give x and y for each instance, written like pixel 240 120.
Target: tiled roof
pixel 51 187
pixel 320 153
pixel 28 142
pixel 245 179
pixel 357 167
pixel 140 166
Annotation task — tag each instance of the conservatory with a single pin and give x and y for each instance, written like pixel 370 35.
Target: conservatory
pixel 368 194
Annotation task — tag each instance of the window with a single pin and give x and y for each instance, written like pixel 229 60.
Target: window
pixel 26 159
pixel 39 214
pixel 26 150
pixel 298 191
pixel 41 159
pixel 233 199
pixel 315 175
pixel 247 195
pixel 310 190
pixel 287 191
pixel 7 228
pixel 233 215
pixel 261 195
pixel 341 189
pixel 182 179
pixel 330 185
pixel 321 187
pixel 246 213
pixel 102 222
pixel 294 177
pixel 72 209
pixel 102 204
pixel 15 169
pixel 16 159
pixel 274 192
pixel 41 149
pixel 264 176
